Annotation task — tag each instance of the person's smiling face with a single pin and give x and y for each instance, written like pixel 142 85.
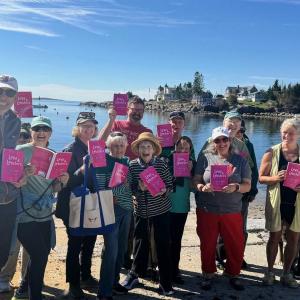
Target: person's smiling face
pixel 146 151
pixel 7 99
pixel 40 135
pixel 289 135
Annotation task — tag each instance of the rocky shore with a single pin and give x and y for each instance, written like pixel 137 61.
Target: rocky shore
pixel 188 107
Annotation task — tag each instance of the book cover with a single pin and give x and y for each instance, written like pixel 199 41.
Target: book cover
pixel 152 180
pixel 12 165
pixel 181 165
pixel 59 164
pixel 120 104
pixel 292 177
pixel 23 105
pixel 118 175
pixel 164 132
pixel 41 159
pixel 96 150
pixel 219 177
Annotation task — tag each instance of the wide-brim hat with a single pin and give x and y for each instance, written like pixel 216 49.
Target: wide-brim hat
pixel 146 136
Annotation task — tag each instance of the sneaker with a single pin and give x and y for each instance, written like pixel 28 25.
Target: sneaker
pixel 90 282
pixel 288 280
pixel 5 287
pixel 297 274
pixel 74 292
pixel 119 289
pixel 220 264
pixel 268 279
pixel 130 281
pixel 236 283
pixel 21 293
pixel 165 292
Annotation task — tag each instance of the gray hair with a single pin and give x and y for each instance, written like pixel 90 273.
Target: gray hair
pixel 291 122
pixel 116 137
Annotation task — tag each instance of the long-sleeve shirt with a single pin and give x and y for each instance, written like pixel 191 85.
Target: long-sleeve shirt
pixel 145 204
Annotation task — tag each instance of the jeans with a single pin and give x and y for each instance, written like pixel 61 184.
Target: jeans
pixel 8 214
pixel 115 244
pixel 36 239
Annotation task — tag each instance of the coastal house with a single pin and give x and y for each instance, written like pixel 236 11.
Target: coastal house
pixel 205 99
pixel 165 93
pixel 242 93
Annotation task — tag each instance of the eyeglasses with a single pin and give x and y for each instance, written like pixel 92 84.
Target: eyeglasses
pixel 136 109
pixel 86 115
pixel 7 92
pixel 41 128
pixel 24 135
pixel 116 133
pixel 219 140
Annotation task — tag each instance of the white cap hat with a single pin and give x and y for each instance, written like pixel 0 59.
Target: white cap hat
pixel 219 131
pixel 8 82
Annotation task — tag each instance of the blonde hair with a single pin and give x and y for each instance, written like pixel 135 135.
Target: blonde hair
pixel 291 122
pixel 75 131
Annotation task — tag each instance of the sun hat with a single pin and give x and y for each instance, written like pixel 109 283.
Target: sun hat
pixel 8 82
pixel 219 131
pixel 146 136
pixel 232 114
pixel 86 116
pixel 41 121
pixel 177 114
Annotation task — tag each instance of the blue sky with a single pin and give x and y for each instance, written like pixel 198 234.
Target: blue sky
pixel 87 50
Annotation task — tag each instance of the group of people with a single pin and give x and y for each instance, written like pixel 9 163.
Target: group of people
pixel 155 223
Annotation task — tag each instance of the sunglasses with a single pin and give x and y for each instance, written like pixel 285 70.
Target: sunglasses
pixel 25 136
pixel 219 140
pixel 41 128
pixel 7 92
pixel 116 133
pixel 86 115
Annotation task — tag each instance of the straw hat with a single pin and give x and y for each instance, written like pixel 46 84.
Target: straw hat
pixel 146 136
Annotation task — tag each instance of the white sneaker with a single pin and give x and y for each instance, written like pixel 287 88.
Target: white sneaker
pixel 5 287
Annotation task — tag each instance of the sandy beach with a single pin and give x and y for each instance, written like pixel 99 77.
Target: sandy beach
pixel 190 266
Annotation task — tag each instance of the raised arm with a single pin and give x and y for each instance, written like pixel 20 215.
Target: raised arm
pixel 106 130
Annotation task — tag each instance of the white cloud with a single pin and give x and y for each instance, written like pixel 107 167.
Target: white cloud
pixel 264 78
pixel 64 92
pixel 93 16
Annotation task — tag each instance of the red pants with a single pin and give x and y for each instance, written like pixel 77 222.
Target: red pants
pixel 230 227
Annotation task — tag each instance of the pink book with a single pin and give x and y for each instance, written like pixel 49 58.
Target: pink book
pixel 59 164
pixel 152 180
pixel 12 165
pixel 219 176
pixel 164 132
pixel 120 104
pixel 118 175
pixel 181 165
pixel 292 177
pixel 23 105
pixel 41 159
pixel 97 152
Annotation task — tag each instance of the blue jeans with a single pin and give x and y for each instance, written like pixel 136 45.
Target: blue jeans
pixel 115 244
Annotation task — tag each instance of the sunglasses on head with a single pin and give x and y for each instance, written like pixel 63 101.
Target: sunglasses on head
pixel 116 133
pixel 219 140
pixel 41 128
pixel 7 92
pixel 86 115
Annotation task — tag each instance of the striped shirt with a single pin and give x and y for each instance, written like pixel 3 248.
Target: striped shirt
pixel 146 205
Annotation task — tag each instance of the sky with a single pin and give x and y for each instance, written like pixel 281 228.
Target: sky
pixel 88 50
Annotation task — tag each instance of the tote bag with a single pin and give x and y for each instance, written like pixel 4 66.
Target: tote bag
pixel 91 213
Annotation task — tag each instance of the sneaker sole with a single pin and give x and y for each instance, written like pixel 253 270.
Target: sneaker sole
pixel 133 283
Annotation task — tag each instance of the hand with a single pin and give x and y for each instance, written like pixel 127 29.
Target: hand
pixel 200 187
pixel 280 175
pixel 207 188
pixel 162 192
pixel 230 188
pixel 142 186
pixel 29 170
pixel 21 182
pixel 63 178
pixel 112 114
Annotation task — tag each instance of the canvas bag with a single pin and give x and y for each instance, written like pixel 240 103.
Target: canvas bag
pixel 91 213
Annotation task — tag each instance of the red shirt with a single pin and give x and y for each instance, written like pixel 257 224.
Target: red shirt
pixel 132 132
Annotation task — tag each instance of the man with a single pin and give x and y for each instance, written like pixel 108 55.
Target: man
pixel 131 127
pixel 9 134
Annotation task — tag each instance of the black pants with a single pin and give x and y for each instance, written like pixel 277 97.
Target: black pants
pixel 161 227
pixel 7 223
pixel 177 227
pixel 82 246
pixel 36 239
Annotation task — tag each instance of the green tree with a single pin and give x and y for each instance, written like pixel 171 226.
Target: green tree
pixel 232 100
pixel 198 84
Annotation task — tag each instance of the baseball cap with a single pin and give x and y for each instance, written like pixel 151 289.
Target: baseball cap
pixel 41 121
pixel 232 114
pixel 177 114
pixel 8 82
pixel 219 131
pixel 86 116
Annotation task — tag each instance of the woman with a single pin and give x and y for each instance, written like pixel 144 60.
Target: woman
pixel 282 203
pixel 35 225
pixel 76 269
pixel 115 242
pixel 219 212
